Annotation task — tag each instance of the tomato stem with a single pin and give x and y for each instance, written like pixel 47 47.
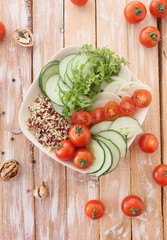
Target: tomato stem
pixel 79 130
pixel 153 36
pixel 137 11
pixel 161 7
pixel 59 145
pixel 135 210
pixel 165 173
pixel 82 162
pixel 94 213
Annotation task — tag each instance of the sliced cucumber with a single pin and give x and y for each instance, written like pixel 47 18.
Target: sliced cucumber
pixel 116 138
pixel 52 89
pixel 79 61
pixel 115 152
pixel 127 126
pixel 63 87
pixel 108 159
pixel 47 71
pixel 100 127
pixel 63 67
pixel 69 72
pixel 99 157
pixel 57 108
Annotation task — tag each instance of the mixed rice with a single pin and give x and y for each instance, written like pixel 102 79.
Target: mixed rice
pixel 48 126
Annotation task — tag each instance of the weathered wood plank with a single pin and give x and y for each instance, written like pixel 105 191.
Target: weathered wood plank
pixel 16 206
pixel 163 82
pixel 115 186
pixel 144 63
pixel 51 212
pixel 80 29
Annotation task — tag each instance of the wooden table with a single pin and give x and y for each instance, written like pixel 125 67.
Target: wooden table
pixel 58 23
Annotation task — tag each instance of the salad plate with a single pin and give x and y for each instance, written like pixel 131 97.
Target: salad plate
pixel 33 93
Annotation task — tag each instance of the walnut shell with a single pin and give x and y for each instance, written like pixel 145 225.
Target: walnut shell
pixel 40 191
pixel 9 170
pixel 23 37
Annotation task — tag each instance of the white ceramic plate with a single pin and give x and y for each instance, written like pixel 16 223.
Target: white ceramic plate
pixel 34 92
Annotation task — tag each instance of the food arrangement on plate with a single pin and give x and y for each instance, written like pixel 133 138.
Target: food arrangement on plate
pixel 85 108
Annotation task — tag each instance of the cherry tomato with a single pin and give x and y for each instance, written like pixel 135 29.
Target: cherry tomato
pixel 149 36
pixel 160 174
pixel 148 143
pixel 81 117
pixel 135 12
pixel 112 111
pixel 98 115
pixel 2 31
pixel 94 209
pixel 132 206
pixel 83 158
pixel 65 150
pixel 142 98
pixel 79 2
pixel 127 106
pixel 158 8
pixel 79 135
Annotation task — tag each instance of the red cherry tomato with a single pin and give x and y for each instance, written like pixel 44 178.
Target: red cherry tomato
pixel 81 117
pixel 112 111
pixel 65 150
pixel 160 174
pixel 158 8
pixel 83 158
pixel 2 31
pixel 132 206
pixel 79 135
pixel 148 143
pixel 127 106
pixel 149 36
pixel 142 98
pixel 135 12
pixel 98 115
pixel 79 2
pixel 94 209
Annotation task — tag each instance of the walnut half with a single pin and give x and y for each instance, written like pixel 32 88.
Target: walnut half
pixel 40 191
pixel 23 37
pixel 9 170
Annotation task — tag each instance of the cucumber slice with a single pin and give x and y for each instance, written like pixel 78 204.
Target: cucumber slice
pixel 127 126
pixel 100 127
pixel 114 150
pixel 116 138
pixel 63 67
pixel 79 61
pixel 62 86
pixel 57 108
pixel 108 159
pixel 52 89
pixel 75 63
pixel 99 157
pixel 47 71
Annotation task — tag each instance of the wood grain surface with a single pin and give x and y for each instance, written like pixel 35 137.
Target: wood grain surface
pixel 55 24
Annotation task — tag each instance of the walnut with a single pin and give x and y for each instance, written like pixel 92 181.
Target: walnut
pixel 40 191
pixel 9 170
pixel 23 37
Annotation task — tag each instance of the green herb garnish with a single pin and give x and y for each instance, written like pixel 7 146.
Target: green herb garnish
pixel 100 65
